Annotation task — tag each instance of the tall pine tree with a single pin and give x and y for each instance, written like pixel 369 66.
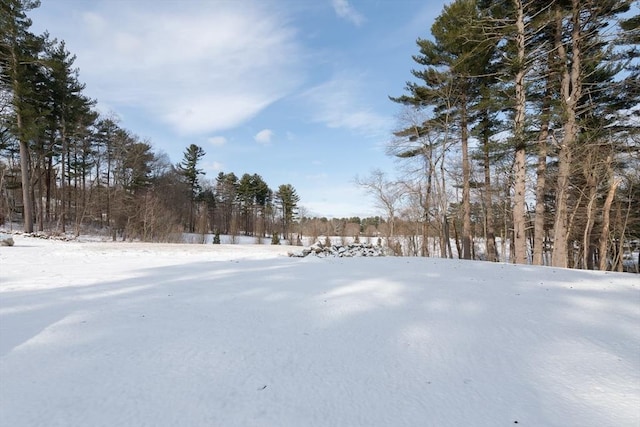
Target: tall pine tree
pixel 19 59
pixel 452 65
pixel 190 171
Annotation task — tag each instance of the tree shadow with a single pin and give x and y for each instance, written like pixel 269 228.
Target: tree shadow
pixel 394 341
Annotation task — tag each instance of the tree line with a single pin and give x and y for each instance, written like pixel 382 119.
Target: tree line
pixel 64 167
pixel 522 123
pixel 518 141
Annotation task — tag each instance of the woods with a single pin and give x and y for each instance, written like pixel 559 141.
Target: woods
pixel 512 87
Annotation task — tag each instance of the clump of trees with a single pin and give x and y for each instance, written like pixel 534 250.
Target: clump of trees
pixel 64 167
pixel 345 230
pixel 522 122
pixel 248 206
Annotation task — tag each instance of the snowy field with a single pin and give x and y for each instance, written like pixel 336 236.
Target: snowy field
pixel 129 334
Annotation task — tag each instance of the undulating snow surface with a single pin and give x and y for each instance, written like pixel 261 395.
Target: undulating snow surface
pixel 123 334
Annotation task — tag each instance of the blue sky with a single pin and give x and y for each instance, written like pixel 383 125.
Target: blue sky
pixel 294 90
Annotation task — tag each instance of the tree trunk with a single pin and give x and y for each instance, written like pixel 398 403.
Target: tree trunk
pixel 446 240
pixel 25 173
pixel 539 231
pixel 63 192
pixel 426 207
pixel 25 177
pixel 38 200
pixel 586 236
pixel 520 159
pixel 519 214
pixel 444 236
pixel 619 267
pixel 490 231
pixel 606 222
pixel 457 239
pixel 466 184
pixel 48 183
pixel 570 94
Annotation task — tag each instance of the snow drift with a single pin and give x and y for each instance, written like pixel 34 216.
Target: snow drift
pixel 106 334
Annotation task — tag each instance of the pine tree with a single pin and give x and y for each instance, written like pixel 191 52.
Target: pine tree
pixel 287 199
pixel 516 25
pixel 580 52
pixel 226 198
pixel 71 116
pixel 19 57
pixel 452 65
pixel 253 194
pixel 275 238
pixel 189 170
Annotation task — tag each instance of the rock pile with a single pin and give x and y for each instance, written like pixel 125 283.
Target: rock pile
pixel 49 236
pixel 340 251
pixel 40 235
pixel 6 240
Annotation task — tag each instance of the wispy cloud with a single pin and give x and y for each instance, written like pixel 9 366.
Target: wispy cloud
pixel 264 137
pixel 200 69
pixel 341 103
pixel 346 11
pixel 217 141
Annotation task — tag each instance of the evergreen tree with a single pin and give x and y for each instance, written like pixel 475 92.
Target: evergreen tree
pixel 581 54
pixel 19 58
pixel 516 26
pixel 189 170
pixel 452 65
pixel 246 202
pixel 287 199
pixel 253 194
pixel 275 239
pixel 137 166
pixel 71 116
pixel 106 132
pixel 226 197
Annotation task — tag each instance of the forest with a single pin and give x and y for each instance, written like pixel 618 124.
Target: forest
pixel 537 103
pixel 517 141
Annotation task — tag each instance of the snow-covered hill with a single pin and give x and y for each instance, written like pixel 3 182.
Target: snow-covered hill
pixel 121 334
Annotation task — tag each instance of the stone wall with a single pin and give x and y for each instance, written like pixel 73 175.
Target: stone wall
pixel 340 251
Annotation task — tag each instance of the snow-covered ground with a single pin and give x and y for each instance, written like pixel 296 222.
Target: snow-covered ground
pixel 131 334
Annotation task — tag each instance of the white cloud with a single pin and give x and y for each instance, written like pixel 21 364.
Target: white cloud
pixel 213 167
pixel 345 11
pixel 199 69
pixel 264 137
pixel 341 103
pixel 217 141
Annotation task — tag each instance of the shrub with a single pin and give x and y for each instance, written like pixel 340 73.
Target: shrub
pixel 275 239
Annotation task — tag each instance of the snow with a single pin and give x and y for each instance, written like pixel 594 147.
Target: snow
pixel 133 334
